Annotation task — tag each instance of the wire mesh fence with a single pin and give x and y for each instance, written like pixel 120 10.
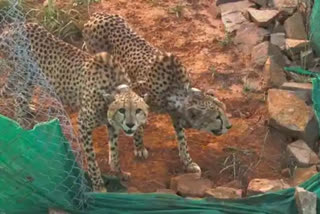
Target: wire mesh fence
pixel 27 98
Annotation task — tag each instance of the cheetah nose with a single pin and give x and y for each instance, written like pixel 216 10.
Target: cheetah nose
pixel 130 125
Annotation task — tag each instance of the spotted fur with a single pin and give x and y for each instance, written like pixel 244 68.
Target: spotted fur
pixel 162 76
pixel 96 85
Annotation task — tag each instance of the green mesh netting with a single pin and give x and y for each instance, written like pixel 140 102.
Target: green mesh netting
pixel 315 27
pixel 22 191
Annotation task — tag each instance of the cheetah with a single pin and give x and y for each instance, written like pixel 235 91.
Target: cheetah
pixel 95 84
pixel 162 77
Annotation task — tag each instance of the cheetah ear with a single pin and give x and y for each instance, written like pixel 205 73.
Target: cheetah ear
pixel 168 57
pixel 122 87
pixel 196 90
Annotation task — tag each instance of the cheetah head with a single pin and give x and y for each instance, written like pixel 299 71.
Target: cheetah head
pixel 127 111
pixel 205 112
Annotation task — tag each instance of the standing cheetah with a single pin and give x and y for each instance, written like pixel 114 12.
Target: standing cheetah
pixel 162 76
pixel 96 85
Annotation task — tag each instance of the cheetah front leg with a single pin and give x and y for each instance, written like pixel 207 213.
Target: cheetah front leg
pixel 113 134
pixel 139 150
pixel 85 131
pixel 184 155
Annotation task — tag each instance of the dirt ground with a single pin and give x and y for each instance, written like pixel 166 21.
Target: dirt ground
pixel 196 39
pixel 248 150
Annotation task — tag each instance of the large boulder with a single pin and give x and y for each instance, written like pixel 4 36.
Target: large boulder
pixel 273 73
pixel 300 175
pixel 285 6
pixel 232 14
pixel 278 39
pixel 232 20
pixel 249 35
pixel 292 116
pixel 306 201
pixel 235 6
pixel 261 3
pixel 263 18
pixel 295 46
pixel 259 186
pixel 302 155
pixel 295 28
pixel 262 51
pixel 302 90
pixel 191 185
pixel 223 193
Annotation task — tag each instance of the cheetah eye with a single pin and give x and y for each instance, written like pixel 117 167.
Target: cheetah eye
pixel 138 111
pixel 122 110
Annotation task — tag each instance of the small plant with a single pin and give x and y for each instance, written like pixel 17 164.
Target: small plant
pixel 226 41
pixel 153 2
pixel 249 85
pixel 80 2
pixel 62 23
pixel 246 88
pixel 213 71
pixel 234 162
pixel 177 10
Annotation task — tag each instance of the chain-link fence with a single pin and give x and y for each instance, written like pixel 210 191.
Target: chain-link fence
pixel 27 98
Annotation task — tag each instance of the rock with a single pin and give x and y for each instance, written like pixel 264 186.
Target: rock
pixel 302 90
pixel 278 28
pixel 235 184
pixel 295 28
pixel 258 186
pixel 236 6
pixel 223 193
pixel 261 3
pixel 273 74
pixel 262 51
pixel 214 10
pixel 166 191
pixel 294 46
pixel 285 6
pixel 249 35
pixel 232 20
pixel 302 174
pixel 307 59
pixel 262 18
pixel 133 190
pixel 232 14
pixel 278 39
pixel 292 116
pixel 286 173
pixel 302 154
pixel 306 201
pixel 57 211
pixel 190 185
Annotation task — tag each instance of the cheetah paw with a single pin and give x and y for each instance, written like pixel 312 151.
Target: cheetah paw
pixel 124 176
pixel 99 189
pixel 141 153
pixel 193 168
